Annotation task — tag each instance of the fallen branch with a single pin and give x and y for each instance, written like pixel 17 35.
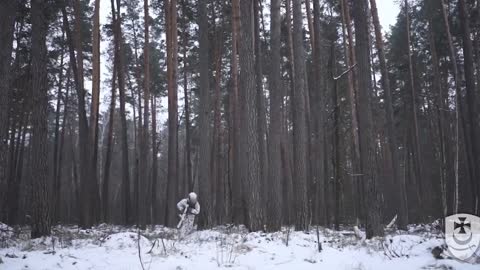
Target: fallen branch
pixel 390 225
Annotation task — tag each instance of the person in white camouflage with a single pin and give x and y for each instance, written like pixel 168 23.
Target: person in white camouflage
pixel 189 208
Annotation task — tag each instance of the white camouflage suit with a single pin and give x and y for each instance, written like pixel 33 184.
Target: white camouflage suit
pixel 192 211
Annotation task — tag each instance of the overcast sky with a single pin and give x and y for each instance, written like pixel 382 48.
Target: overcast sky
pixel 387 11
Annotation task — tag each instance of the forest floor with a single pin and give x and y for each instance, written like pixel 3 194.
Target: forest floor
pixel 116 247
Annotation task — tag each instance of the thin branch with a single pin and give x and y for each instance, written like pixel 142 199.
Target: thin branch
pixel 344 73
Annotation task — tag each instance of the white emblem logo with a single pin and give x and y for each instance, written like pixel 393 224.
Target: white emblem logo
pixel 462 235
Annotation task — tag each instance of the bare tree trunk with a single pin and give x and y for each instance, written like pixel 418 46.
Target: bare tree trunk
pixel 471 115
pixel 441 119
pixel 108 154
pixel 171 18
pixel 117 20
pixel 7 21
pixel 86 220
pixel 417 153
pixel 188 158
pixel 58 187
pixel 391 135
pixel 318 119
pixel 262 121
pixel 299 122
pixel 39 141
pixel 274 184
pixel 93 195
pixel 249 120
pixel 144 134
pixel 237 191
pixel 456 76
pixel 56 178
pixel 352 86
pixel 367 143
pixel 154 207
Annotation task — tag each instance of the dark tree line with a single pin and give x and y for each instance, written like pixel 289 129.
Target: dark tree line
pixel 281 112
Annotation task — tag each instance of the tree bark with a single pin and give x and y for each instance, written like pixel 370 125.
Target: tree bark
pixel 367 142
pixel 93 195
pixel 299 121
pixel 237 189
pixel 171 18
pixel 7 21
pixel 274 202
pixel 144 179
pixel 471 88
pixel 39 141
pixel 249 120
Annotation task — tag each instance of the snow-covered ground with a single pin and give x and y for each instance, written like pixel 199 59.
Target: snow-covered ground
pixel 114 247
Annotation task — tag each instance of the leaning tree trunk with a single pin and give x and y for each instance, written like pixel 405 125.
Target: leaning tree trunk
pixel 39 137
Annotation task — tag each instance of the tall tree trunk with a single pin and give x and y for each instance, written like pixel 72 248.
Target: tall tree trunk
pixel 118 39
pixel 391 135
pixel 352 93
pixel 262 120
pixel 86 220
pixel 416 136
pixel 188 151
pixel 471 116
pixel 154 206
pixel 367 142
pixel 56 178
pixel 93 195
pixel 171 18
pixel 274 184
pixel 108 154
pixel 299 121
pixel 58 186
pixel 440 104
pixel 144 134
pixel 249 144
pixel 318 119
pixel 336 139
pixel 39 141
pixel 7 13
pixel 237 191
pixel 216 149
pixel 456 76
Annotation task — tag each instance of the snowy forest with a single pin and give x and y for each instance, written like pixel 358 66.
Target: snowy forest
pixel 277 113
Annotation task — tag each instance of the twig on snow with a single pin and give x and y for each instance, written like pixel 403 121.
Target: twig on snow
pixel 139 251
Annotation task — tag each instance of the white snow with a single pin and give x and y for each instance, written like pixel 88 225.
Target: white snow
pixel 115 247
